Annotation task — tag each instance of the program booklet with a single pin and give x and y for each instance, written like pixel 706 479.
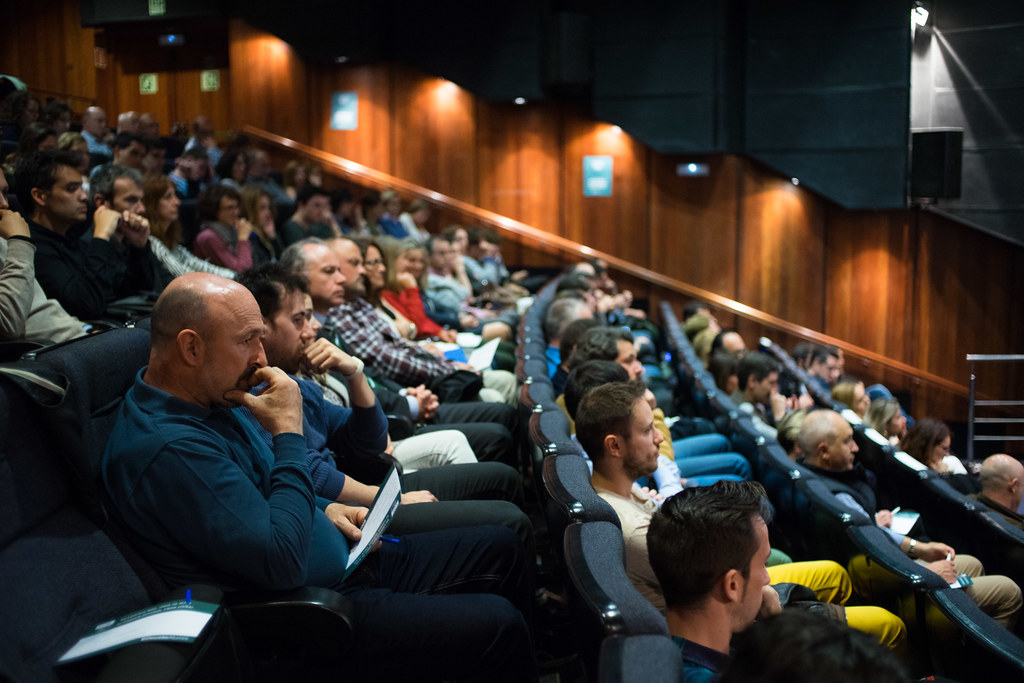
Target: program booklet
pixel 389 495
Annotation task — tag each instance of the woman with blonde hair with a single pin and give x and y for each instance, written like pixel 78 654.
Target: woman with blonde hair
pixel 403 278
pixel 851 392
pixel 161 210
pixel 886 417
pixel 258 208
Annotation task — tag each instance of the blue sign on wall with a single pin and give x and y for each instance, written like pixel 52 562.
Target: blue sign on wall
pixel 597 176
pixel 344 111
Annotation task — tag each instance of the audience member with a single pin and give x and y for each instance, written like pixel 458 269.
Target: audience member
pixel 826 440
pixel 156 157
pixel 161 210
pixel 928 442
pixel 708 548
pixel 758 394
pixel 723 366
pixel 85 275
pixel 447 291
pixel 233 168
pixel 57 115
pixel 203 138
pixel 850 392
pixel 312 217
pixel 128 122
pixel 35 137
pixel 259 176
pixel 224 238
pixel 414 220
pixel 149 127
pixel 95 132
pixel 388 221
pixel 437 600
pixel 885 416
pixel 405 267
pixel 258 208
pixel 350 321
pixel 823 368
pixel 189 172
pixel 1002 487
pixel 19 110
pixel 799 646
pixel 25 312
pixel 571 338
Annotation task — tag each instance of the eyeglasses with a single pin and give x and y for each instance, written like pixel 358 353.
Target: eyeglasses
pixel 373 263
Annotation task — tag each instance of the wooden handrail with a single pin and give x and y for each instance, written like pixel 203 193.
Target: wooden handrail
pixel 536 237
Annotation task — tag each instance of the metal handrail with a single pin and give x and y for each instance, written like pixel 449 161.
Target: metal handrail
pixel 973 358
pixel 537 238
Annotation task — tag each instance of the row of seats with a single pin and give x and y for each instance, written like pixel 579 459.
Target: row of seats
pixel 621 637
pixel 810 524
pixel 66 565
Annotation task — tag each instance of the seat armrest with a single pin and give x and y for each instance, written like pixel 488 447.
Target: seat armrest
pixel 305 619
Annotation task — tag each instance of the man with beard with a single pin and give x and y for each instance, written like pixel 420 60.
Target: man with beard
pixel 205 500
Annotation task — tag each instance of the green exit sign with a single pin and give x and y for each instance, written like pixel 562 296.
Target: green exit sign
pixel 209 80
pixel 157 8
pixel 147 84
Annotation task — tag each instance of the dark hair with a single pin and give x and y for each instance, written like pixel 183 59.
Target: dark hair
pixel 53 111
pixel 370 200
pixel 572 335
pixel 692 308
pixel 39 169
pixel 153 191
pixel 586 376
pixel 226 164
pixel 105 176
pixel 434 239
pixel 802 352
pixel 308 191
pixel 125 140
pixel 606 409
pixel 269 283
pixel 925 435
pixel 196 153
pixel 601 343
pixel 701 533
pixel 209 200
pixel 579 281
pixel 757 364
pixel 821 354
pixel 31 136
pixel 339 197
pixel 13 106
pixel 722 365
pixel 799 646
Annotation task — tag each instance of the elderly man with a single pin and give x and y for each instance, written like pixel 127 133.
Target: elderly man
pixel 1002 487
pixel 206 500
pixel 356 323
pixel 95 132
pixel 826 440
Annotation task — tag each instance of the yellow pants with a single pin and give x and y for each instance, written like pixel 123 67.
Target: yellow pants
pixel 832 584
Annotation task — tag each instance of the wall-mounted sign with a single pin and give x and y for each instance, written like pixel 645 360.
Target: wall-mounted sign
pixel 157 8
pixel 344 111
pixel 597 176
pixel 147 84
pixel 209 80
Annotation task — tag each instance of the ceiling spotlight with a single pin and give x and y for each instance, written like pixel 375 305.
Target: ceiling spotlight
pixel 795 181
pixel 693 169
pixel 919 15
pixel 520 100
pixel 340 59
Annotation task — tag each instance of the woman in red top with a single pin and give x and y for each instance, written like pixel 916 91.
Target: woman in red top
pixel 405 268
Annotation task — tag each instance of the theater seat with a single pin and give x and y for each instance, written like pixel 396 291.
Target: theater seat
pixel 639 659
pixel 62 575
pixel 605 603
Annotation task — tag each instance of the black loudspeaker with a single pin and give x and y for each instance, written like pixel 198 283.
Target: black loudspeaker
pixel 935 164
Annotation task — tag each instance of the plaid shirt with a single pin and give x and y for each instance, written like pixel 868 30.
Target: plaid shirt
pixel 360 328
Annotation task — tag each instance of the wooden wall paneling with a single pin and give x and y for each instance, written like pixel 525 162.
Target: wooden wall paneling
pixel 869 280
pixel 968 289
pixel 619 224
pixel 46 47
pixel 268 83
pixel 781 253
pixel 693 222
pixel 517 154
pixel 370 143
pixel 433 134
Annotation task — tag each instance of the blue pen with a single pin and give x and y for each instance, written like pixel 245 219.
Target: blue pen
pixel 389 539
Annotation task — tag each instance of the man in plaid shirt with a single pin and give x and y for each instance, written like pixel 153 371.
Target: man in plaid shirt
pixel 337 286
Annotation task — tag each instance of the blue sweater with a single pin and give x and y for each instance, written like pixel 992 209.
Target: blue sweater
pixel 330 429
pixel 206 500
